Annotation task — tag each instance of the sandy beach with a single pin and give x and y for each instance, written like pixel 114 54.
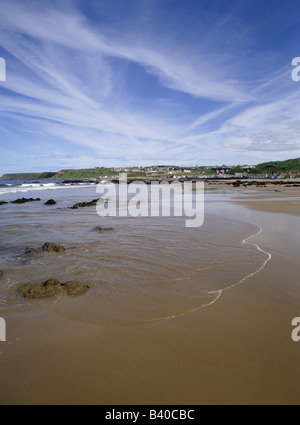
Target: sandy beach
pixel 238 350
pixel 149 205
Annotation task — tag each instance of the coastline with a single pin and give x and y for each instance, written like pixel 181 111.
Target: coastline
pixel 236 351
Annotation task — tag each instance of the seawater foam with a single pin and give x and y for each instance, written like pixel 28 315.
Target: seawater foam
pixel 29 187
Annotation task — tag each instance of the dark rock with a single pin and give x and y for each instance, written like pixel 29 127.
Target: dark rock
pixel 50 202
pixel 51 288
pixel 50 246
pixel 103 229
pixel 85 204
pixel 51 282
pixel 23 200
pixel 1 273
pixel 75 181
pixel 3 202
pixel 42 290
pixel 29 250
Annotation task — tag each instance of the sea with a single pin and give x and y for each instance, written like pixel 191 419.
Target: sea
pixel 138 269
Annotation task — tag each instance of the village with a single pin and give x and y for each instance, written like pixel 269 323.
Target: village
pixel 199 172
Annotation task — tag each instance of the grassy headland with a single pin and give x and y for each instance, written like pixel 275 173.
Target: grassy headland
pixel 268 169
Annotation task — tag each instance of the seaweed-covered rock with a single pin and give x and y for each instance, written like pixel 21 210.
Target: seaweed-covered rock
pixel 48 246
pixel 29 250
pixel 53 247
pixel 50 202
pixel 76 181
pixel 85 204
pixel 3 202
pixel 51 288
pixel 103 229
pixel 41 290
pixel 23 200
pixel 75 288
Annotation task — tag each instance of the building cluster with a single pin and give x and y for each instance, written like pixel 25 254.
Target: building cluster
pixel 222 172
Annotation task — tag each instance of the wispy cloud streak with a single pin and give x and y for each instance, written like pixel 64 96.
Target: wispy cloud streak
pixel 77 80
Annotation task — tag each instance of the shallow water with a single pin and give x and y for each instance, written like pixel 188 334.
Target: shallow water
pixel 145 269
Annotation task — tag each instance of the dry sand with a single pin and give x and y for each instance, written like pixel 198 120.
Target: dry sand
pixel 237 351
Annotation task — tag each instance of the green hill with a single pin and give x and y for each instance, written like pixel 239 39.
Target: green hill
pixel 276 167
pixel 83 173
pixel 71 174
pixel 28 176
pixel 272 167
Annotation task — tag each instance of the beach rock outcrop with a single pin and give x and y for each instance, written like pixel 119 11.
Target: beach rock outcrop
pixel 3 202
pixel 103 229
pixel 74 288
pixel 85 204
pixel 76 181
pixel 23 200
pixel 41 290
pixel 50 202
pixel 51 288
pixel 29 250
pixel 50 246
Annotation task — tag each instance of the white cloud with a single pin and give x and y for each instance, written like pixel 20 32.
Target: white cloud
pixel 69 81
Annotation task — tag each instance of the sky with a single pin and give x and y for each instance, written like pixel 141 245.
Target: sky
pixel 146 82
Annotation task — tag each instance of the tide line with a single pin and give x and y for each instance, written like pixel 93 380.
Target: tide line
pixel 219 292
pixel 269 256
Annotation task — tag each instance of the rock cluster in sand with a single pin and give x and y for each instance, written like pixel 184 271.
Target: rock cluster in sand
pixel 103 229
pixel 50 246
pixel 23 200
pixel 84 204
pixel 51 288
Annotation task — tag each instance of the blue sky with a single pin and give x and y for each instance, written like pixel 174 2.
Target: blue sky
pixel 144 82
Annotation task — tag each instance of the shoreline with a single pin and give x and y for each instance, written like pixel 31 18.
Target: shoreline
pixel 236 351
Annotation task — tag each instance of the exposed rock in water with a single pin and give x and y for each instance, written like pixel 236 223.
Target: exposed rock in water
pixel 23 200
pixel 75 288
pixel 3 202
pixel 85 204
pixel 1 273
pixel 41 290
pixel 50 202
pixel 50 246
pixel 75 181
pixel 51 288
pixel 29 250
pixel 103 229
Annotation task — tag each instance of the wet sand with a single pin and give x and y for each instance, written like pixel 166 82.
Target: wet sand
pixel 236 351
